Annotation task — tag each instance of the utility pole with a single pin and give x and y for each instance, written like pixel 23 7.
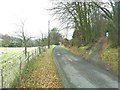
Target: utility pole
pixel 48 34
pixel 66 31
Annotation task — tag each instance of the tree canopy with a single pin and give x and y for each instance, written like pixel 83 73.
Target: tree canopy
pixel 90 20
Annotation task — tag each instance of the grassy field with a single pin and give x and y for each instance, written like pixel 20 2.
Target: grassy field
pixel 8 54
pixel 40 73
pixel 10 61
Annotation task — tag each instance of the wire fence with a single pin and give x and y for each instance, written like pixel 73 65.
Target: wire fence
pixel 12 68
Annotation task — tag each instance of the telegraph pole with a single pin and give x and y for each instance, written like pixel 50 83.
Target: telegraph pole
pixel 48 34
pixel 66 33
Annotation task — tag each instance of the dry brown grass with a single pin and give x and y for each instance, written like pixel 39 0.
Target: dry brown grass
pixel 110 58
pixel 74 50
pixel 43 73
pixel 77 51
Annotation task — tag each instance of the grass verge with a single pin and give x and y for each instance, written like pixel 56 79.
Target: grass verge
pixel 110 58
pixel 77 51
pixel 40 73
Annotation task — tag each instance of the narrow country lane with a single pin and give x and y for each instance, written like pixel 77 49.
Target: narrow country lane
pixel 78 73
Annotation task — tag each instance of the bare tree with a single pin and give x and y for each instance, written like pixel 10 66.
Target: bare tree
pixel 86 17
pixel 21 34
pixel 40 42
pixel 48 34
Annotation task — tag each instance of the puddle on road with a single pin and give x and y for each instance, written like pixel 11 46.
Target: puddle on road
pixel 74 58
pixel 58 54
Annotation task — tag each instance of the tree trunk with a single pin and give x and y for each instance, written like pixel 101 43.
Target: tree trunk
pixel 25 50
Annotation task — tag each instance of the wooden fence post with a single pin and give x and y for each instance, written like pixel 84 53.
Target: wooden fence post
pixel 44 49
pixel 32 55
pixel 20 68
pixel 2 77
pixel 35 52
pixel 39 50
pixel 28 57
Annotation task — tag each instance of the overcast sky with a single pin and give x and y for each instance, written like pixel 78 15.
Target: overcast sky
pixel 33 12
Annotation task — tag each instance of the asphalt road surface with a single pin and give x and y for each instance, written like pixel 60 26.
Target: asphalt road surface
pixel 78 73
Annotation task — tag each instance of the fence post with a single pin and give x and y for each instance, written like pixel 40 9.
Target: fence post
pixel 28 57
pixel 20 68
pixel 32 55
pixel 44 50
pixel 35 52
pixel 2 77
pixel 39 50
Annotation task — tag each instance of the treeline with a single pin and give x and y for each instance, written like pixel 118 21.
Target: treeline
pixel 10 41
pixel 90 20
